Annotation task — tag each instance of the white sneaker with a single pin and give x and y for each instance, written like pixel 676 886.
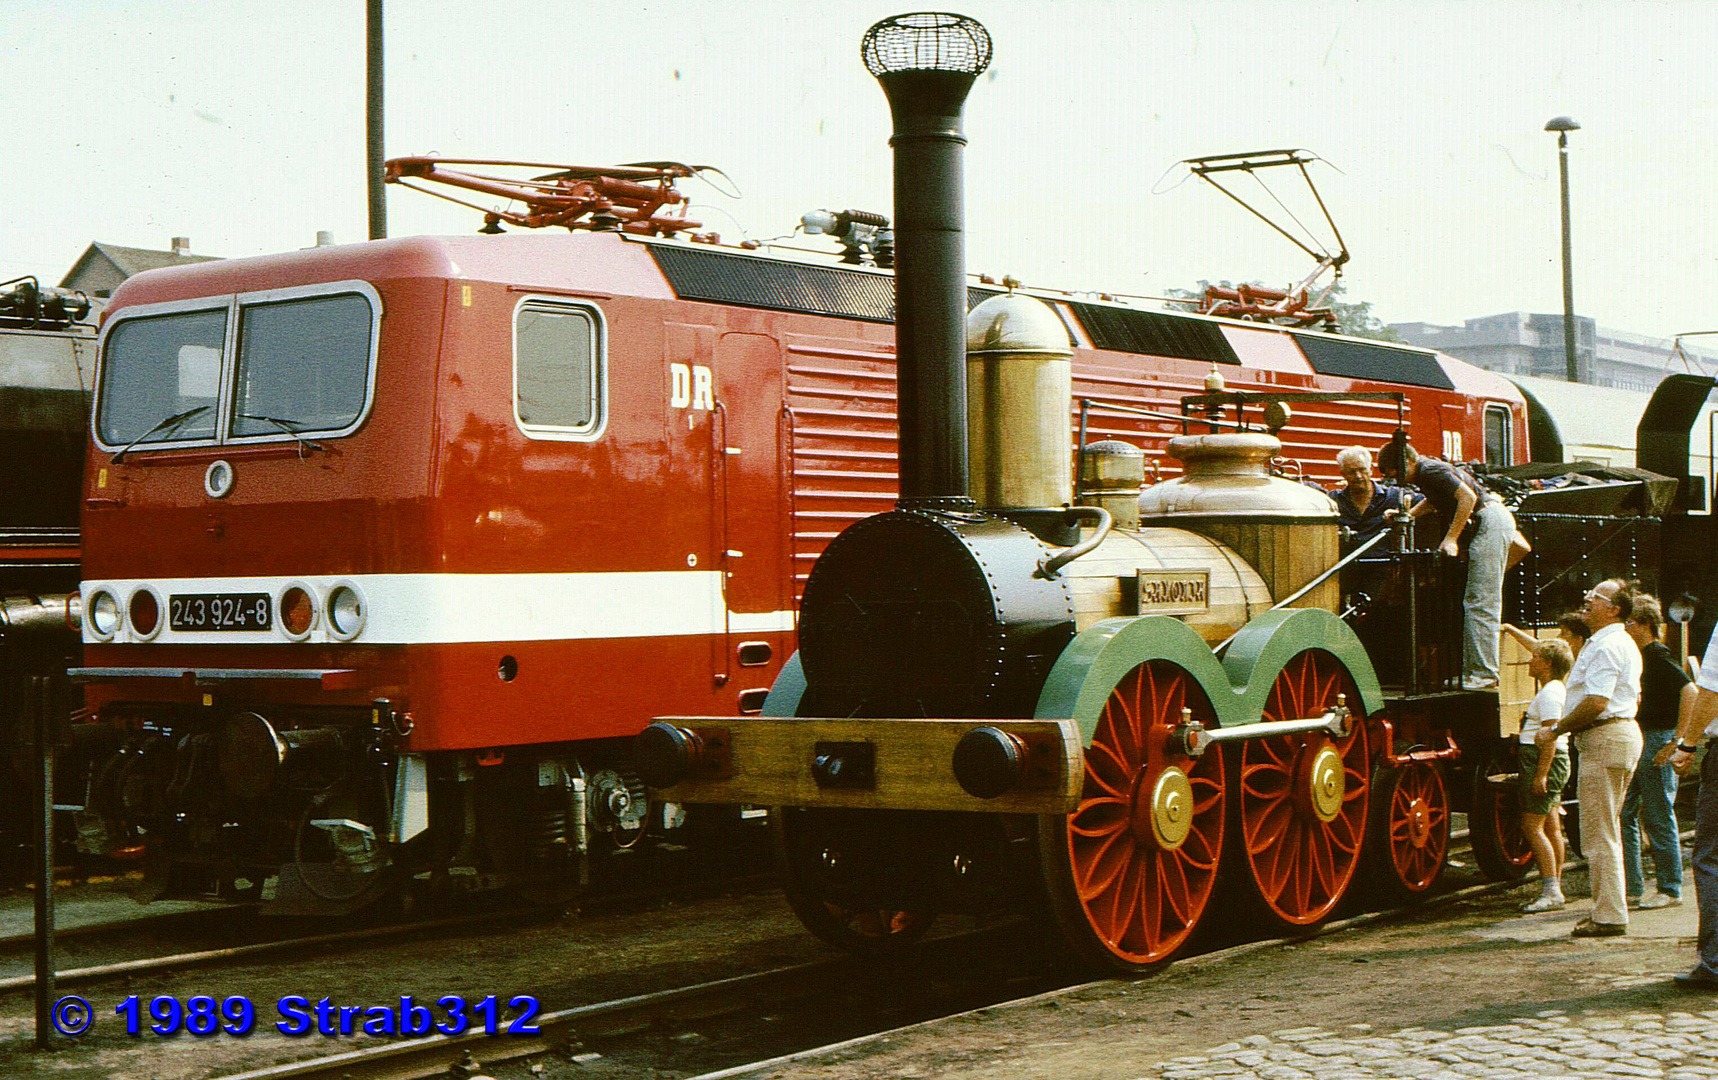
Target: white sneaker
pixel 1656 901
pixel 1548 902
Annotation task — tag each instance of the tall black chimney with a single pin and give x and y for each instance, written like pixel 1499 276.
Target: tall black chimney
pixel 926 63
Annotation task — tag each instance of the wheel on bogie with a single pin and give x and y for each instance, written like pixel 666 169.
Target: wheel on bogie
pixel 864 929
pixel 1300 801
pixel 1131 872
pixel 1410 833
pixel 869 932
pixel 1500 848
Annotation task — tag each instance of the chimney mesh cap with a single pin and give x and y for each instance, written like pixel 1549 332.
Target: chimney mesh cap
pixel 926 41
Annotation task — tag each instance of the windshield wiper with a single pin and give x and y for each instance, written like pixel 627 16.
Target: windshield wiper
pixel 288 426
pixel 168 424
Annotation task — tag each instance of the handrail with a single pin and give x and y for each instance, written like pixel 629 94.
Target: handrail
pixel 1314 583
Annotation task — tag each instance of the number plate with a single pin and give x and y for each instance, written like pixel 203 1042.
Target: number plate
pixel 220 611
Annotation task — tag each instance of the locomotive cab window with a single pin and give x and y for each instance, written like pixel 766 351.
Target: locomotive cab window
pixel 1497 441
pixel 256 367
pixel 161 377
pixel 558 370
pixel 303 365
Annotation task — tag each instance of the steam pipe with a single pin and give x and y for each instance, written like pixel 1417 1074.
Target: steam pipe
pixel 926 64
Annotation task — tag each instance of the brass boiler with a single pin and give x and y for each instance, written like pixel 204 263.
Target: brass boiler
pixel 1155 570
pixel 1019 397
pixel 1286 530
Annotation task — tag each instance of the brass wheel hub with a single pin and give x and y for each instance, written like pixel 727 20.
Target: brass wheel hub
pixel 1419 823
pixel 1168 811
pixel 1327 783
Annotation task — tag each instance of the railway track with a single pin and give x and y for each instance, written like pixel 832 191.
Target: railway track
pixel 85 976
pixel 665 1029
pixel 15 949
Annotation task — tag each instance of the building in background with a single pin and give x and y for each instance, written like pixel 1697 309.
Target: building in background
pixel 1521 343
pixel 101 267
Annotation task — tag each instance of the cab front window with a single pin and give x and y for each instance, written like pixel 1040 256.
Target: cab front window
pixel 303 365
pixel 157 368
pixel 258 367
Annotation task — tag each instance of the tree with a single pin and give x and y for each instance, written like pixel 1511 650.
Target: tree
pixel 1353 318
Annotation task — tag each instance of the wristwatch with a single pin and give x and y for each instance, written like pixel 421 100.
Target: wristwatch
pixel 1685 748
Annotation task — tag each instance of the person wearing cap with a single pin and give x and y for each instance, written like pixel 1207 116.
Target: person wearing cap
pixel 1600 702
pixel 1700 724
pixel 1471 518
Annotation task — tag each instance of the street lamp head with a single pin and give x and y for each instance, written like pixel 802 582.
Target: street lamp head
pixel 1561 123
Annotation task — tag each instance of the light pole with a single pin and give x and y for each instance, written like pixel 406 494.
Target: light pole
pixel 1562 125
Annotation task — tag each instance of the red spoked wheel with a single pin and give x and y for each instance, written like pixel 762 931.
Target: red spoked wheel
pixel 1411 829
pixel 867 932
pixel 1500 847
pixel 1301 799
pixel 812 851
pixel 1133 869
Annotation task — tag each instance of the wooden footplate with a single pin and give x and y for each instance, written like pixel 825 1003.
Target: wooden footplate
pixel 874 764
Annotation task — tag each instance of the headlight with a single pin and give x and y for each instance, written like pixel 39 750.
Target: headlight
pixel 145 612
pixel 346 610
pixel 297 607
pixel 103 615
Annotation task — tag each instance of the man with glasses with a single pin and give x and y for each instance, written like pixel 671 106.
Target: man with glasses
pixel 1600 705
pixel 1700 724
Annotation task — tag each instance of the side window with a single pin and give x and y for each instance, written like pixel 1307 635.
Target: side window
pixel 159 368
pixel 1497 433
pixel 304 365
pixel 558 370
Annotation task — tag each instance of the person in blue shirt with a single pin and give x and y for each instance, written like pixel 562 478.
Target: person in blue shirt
pixel 1361 502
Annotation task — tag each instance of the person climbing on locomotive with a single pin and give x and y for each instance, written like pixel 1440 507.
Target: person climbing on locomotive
pixel 1544 774
pixel 1666 695
pixel 1602 697
pixel 1472 517
pixel 1699 725
pixel 1364 506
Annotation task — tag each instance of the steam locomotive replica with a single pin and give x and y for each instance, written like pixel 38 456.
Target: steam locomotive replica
pixel 1140 711
pixel 392 549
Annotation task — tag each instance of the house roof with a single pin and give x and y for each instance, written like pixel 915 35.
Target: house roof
pixel 127 260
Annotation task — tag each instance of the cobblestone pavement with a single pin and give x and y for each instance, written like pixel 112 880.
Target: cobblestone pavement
pixel 1670 1045
pixel 1471 990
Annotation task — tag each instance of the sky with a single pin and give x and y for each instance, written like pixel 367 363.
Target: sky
pixel 240 124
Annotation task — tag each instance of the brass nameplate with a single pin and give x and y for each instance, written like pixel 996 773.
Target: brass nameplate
pixel 1174 592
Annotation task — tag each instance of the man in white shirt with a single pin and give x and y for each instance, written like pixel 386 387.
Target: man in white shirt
pixel 1603 696
pixel 1698 725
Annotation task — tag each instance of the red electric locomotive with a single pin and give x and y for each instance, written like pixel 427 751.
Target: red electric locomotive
pixel 390 548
